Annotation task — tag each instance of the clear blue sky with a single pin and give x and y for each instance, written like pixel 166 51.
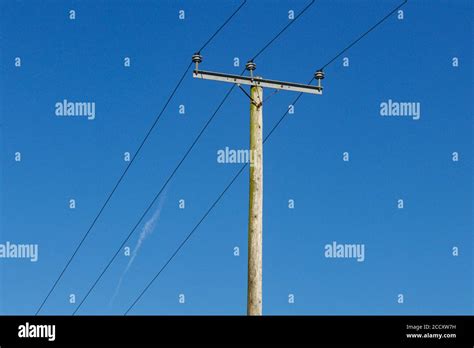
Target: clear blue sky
pixel 407 251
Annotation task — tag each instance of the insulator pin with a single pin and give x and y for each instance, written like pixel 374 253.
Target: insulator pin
pixel 197 58
pixel 250 66
pixel 319 75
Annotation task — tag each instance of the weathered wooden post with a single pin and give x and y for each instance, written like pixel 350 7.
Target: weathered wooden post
pixel 254 290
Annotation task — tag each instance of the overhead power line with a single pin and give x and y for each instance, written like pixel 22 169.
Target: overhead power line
pixel 364 34
pixel 150 205
pixel 283 30
pixel 131 161
pixel 222 26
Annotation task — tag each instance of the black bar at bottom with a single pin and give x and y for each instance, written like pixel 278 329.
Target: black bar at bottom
pixel 450 331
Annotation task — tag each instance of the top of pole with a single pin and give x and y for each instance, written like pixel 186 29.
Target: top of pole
pixel 256 81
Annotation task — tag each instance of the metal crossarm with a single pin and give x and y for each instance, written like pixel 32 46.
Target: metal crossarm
pixel 257 81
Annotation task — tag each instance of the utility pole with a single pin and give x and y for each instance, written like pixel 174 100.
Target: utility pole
pixel 255 223
pixel 254 283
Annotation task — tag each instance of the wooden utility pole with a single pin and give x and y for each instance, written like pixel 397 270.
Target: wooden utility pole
pixel 254 286
pixel 254 290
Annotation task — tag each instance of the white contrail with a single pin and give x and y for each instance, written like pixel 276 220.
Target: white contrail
pixel 146 231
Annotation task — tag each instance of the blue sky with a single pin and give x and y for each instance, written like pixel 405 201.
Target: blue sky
pixel 407 251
